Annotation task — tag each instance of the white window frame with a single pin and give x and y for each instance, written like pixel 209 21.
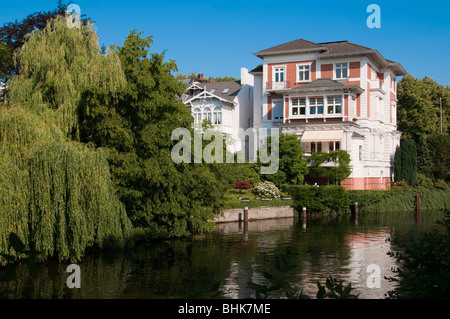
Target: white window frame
pixel 197 114
pixel 335 66
pixel 207 113
pixel 334 104
pixel 298 72
pixel 274 67
pixel 298 106
pixel 316 105
pixel 217 115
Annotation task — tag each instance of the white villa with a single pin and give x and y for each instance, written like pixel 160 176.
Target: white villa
pixel 227 105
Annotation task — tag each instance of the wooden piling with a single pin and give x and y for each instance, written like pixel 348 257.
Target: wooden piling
pixel 245 220
pixel 356 213
pixel 418 213
pixel 304 216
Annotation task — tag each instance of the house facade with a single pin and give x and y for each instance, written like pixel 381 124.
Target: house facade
pixel 228 106
pixel 333 96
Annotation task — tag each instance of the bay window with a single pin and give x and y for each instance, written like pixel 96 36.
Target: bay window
pixel 299 107
pixel 315 106
pixel 334 105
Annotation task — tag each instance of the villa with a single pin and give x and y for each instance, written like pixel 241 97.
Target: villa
pixel 228 106
pixel 333 96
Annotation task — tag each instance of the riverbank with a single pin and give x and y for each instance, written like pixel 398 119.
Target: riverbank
pixel 400 200
pixel 368 201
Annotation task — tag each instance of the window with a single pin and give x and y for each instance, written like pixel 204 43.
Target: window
pixel 303 73
pixel 316 147
pixel 225 91
pixel 334 146
pixel 334 105
pixel 341 70
pixel 315 106
pixel 298 107
pixel 207 114
pixel 277 110
pixel 197 115
pixel 213 90
pixel 279 74
pixel 217 115
pixel 360 153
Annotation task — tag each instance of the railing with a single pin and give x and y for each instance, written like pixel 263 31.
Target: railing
pixel 278 85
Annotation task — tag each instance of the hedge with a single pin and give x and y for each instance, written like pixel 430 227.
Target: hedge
pixel 324 199
pixel 332 198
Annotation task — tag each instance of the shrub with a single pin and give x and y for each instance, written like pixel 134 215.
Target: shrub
pixel 424 181
pixel 441 184
pixel 267 190
pixel 242 185
pixel 323 199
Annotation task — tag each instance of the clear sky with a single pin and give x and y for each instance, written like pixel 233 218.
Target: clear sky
pixel 217 38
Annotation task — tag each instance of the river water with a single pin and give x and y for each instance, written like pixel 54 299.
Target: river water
pixel 341 247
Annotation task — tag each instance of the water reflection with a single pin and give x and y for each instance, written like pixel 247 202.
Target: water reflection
pixel 235 255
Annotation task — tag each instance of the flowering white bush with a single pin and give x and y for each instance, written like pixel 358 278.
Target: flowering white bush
pixel 267 190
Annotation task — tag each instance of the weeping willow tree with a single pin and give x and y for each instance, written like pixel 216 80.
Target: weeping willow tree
pixel 55 192
pixel 57 65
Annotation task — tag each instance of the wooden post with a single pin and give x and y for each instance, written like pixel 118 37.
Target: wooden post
pixel 304 218
pixel 245 220
pixel 418 213
pixel 356 212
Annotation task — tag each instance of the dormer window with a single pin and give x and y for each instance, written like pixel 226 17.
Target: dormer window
pixel 341 70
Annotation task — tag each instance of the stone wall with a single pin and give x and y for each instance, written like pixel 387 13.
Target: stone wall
pixel 237 214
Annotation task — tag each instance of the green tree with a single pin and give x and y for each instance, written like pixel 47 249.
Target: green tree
pixel 337 172
pixel 225 79
pixel 53 85
pixel 423 156
pixel 14 34
pixel 419 106
pixel 57 193
pixel 166 198
pixel 5 60
pixel 439 145
pixel 292 165
pixel 405 161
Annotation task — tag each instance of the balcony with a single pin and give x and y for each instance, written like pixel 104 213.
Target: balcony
pixel 273 86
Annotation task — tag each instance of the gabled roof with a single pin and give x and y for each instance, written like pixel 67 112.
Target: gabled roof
pixel 217 89
pixel 332 49
pixel 325 84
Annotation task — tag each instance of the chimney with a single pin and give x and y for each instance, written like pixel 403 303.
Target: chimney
pixel 211 80
pixel 201 77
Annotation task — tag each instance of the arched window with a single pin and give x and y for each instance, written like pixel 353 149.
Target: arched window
pixel 217 115
pixel 197 115
pixel 207 114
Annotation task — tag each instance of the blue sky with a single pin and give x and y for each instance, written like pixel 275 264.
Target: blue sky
pixel 217 38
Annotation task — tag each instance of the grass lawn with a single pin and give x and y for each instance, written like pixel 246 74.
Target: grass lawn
pixel 232 200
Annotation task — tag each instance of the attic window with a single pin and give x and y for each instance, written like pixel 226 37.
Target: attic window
pixel 225 91
pixel 213 90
